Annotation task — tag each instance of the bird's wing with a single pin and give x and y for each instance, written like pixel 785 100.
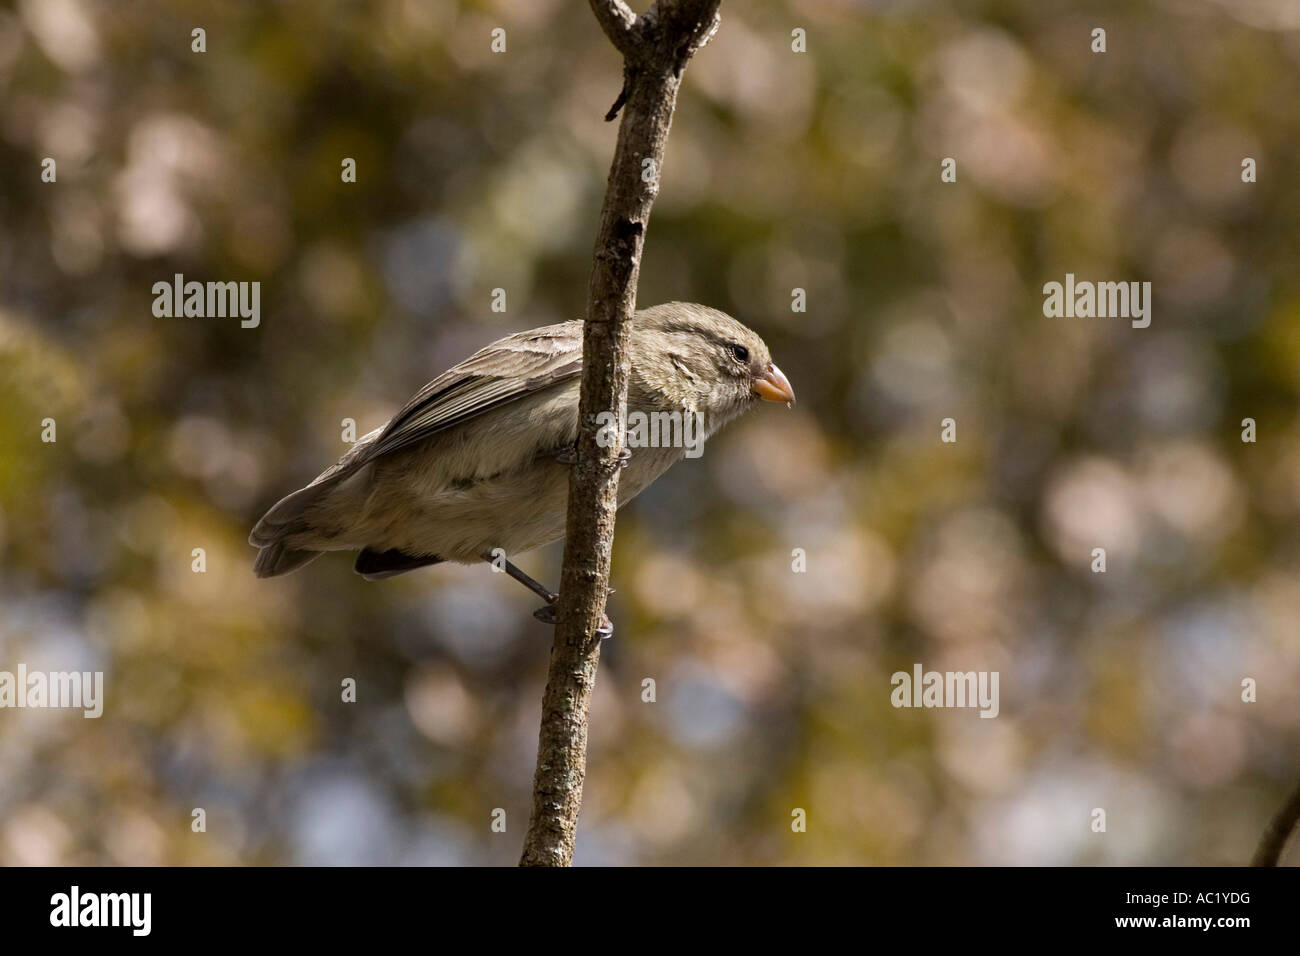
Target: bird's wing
pixel 503 372
pixel 506 371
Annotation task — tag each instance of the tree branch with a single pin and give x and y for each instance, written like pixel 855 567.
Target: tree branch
pixel 656 47
pixel 1279 829
pixel 618 22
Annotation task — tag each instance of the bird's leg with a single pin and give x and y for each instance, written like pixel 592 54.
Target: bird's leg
pixel 546 614
pixel 550 597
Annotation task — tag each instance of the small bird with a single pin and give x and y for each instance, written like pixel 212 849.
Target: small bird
pixel 478 459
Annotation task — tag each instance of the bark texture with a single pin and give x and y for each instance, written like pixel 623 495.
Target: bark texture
pixel 656 47
pixel 1279 831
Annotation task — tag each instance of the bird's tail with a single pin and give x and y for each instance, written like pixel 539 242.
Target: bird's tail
pixel 275 559
pixel 313 519
pixel 284 523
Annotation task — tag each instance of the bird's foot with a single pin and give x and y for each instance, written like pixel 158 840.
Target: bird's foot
pixel 548 615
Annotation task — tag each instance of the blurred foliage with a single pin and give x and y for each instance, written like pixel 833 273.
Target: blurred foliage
pixel 816 170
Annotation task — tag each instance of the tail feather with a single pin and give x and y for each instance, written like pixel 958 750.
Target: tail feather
pixel 299 525
pixel 275 559
pixel 285 516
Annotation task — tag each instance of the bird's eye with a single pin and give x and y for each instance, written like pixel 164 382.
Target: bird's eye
pixel 740 352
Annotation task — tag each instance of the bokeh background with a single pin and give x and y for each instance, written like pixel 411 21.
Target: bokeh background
pixel 816 170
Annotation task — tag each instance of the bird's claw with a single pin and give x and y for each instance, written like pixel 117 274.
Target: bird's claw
pixel 547 615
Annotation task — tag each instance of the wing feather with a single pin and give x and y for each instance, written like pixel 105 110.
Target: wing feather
pixel 503 372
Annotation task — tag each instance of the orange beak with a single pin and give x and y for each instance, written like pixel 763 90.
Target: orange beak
pixel 773 386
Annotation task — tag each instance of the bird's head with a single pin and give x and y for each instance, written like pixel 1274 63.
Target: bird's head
pixel 698 358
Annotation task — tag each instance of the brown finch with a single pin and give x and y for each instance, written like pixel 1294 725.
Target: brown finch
pixel 478 459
